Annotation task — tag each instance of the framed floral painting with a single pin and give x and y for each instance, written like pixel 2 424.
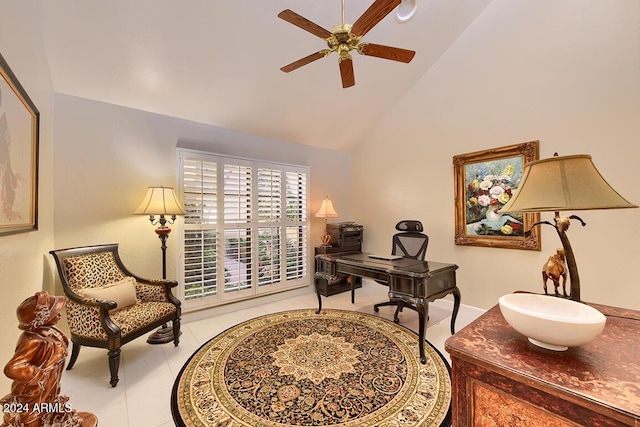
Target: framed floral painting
pixel 484 182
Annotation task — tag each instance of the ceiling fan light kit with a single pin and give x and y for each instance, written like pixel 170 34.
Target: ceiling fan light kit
pixel 406 10
pixel 343 38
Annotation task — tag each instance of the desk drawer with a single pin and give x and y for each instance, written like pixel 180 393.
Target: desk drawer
pixel 422 288
pixel 401 286
pixel 441 282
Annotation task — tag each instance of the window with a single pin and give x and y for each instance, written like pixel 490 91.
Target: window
pixel 245 230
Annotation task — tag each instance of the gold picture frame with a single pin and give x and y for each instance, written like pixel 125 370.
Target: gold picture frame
pixel 484 181
pixel 19 140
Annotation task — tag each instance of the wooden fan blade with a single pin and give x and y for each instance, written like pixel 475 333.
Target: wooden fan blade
pixel 346 72
pixel 386 52
pixel 378 10
pixel 302 22
pixel 306 60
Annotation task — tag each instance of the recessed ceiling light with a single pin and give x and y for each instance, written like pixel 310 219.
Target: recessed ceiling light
pixel 406 10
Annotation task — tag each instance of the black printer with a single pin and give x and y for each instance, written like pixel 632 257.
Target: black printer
pixel 346 235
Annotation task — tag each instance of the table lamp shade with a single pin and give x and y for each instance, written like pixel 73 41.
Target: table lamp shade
pixel 564 183
pixel 326 210
pixel 160 201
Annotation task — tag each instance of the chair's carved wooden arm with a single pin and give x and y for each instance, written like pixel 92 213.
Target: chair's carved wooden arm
pixel 94 311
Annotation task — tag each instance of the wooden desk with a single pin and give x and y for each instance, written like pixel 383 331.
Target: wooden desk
pixel 499 378
pixel 415 281
pixel 327 279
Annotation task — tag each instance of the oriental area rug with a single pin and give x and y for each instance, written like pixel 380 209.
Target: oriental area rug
pixel 299 368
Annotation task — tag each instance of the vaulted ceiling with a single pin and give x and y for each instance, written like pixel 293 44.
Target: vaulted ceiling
pixel 218 61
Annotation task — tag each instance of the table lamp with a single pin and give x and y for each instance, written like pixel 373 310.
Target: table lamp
pixel 326 211
pixel 564 183
pixel 161 201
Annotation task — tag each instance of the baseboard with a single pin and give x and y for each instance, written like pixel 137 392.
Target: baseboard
pixel 192 316
pixel 234 306
pixel 447 304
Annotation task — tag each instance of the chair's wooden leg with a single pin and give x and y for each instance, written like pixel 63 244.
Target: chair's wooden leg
pixel 114 365
pixel 176 331
pixel 75 350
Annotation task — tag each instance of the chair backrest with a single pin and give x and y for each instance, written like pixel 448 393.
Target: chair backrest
pixel 410 242
pixel 89 266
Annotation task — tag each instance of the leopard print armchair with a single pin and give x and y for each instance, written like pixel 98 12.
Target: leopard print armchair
pixel 107 305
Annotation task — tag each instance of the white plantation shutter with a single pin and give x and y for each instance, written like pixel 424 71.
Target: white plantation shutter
pixel 200 266
pixel 296 200
pixel 237 194
pixel 269 255
pixel 245 230
pixel 237 259
pixel 199 189
pixel 269 194
pixel 296 189
pixel 269 232
pixel 296 252
pixel 200 192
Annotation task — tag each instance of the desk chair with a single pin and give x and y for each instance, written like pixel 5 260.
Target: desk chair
pixel 410 243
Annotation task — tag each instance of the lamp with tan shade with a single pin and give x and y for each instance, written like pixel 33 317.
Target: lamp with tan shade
pixel 326 211
pixel 564 183
pixel 161 201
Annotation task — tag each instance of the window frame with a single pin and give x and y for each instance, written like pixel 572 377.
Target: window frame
pixel 254 225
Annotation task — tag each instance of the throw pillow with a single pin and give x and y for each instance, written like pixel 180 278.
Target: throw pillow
pixel 122 292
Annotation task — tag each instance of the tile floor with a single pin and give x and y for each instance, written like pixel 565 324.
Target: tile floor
pixel 147 372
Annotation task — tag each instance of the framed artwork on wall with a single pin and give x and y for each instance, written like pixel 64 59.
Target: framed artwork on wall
pixel 484 181
pixel 19 138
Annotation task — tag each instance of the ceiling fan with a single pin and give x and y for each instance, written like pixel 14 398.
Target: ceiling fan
pixel 343 38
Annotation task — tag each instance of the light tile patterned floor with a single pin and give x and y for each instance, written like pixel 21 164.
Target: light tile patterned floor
pixel 147 372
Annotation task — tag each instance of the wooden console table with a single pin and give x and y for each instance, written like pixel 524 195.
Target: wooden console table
pixel 416 281
pixel 500 379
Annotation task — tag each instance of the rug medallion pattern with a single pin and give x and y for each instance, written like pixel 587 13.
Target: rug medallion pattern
pixel 299 368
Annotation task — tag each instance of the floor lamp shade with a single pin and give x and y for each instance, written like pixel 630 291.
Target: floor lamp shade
pixel 160 201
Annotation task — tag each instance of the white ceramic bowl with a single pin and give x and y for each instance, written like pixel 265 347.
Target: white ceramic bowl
pixel 551 322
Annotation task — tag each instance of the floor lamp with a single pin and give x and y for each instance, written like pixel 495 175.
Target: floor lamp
pixel 161 201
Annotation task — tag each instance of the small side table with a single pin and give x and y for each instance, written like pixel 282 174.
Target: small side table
pixel 500 378
pixel 327 279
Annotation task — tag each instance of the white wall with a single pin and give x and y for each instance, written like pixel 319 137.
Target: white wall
pixel 106 156
pixel 566 73
pixel 24 268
